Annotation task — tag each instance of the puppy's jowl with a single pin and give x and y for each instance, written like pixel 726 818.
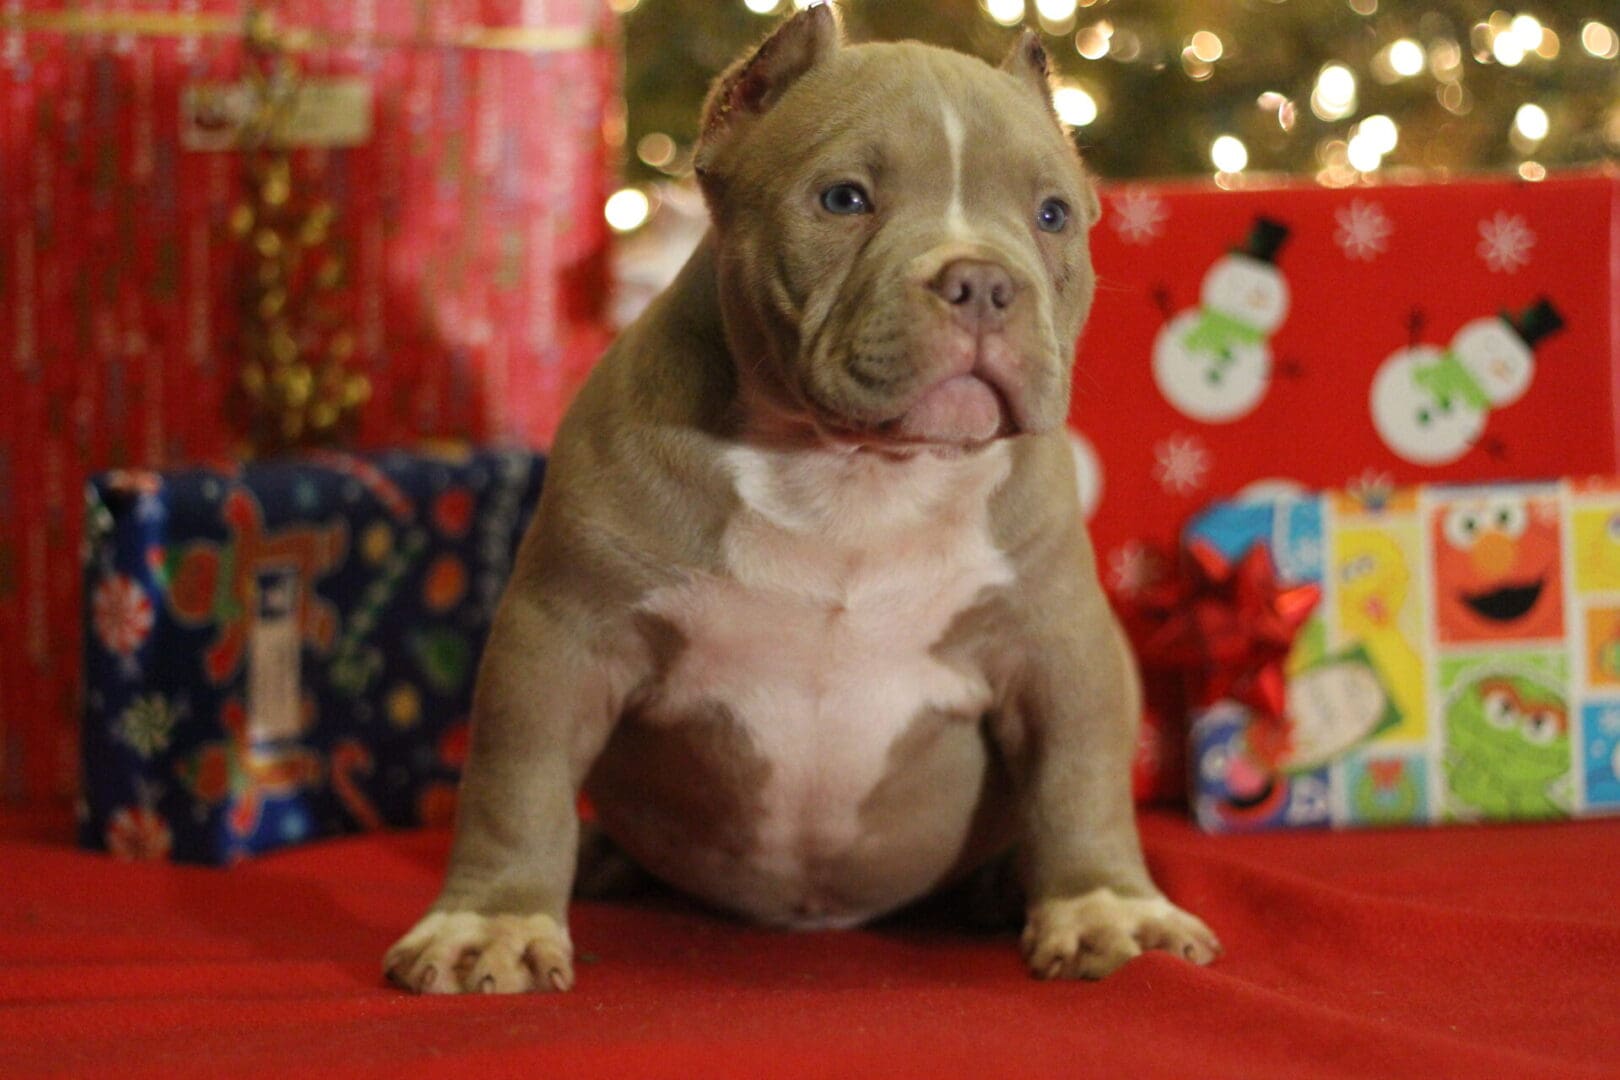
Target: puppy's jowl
pixel 808 608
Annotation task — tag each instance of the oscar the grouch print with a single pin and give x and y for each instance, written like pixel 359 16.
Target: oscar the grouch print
pixel 1507 749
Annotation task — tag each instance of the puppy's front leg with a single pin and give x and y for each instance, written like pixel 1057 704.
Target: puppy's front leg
pixel 1091 904
pixel 542 711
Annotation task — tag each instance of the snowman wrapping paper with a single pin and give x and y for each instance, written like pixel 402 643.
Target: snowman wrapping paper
pixel 1419 333
pixel 1297 336
pixel 1461 665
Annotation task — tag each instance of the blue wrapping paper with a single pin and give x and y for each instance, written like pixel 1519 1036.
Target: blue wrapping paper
pixel 285 651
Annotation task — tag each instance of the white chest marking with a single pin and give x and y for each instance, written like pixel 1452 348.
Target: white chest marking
pixel 842 573
pixel 955 219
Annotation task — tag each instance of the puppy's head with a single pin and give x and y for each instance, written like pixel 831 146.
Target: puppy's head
pixel 902 237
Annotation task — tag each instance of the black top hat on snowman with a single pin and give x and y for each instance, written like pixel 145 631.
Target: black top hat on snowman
pixel 1535 322
pixel 1265 238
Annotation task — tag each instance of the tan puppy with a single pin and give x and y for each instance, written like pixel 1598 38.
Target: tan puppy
pixel 808 607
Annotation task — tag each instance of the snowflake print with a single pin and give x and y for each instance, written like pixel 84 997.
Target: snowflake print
pixel 1505 242
pixel 122 614
pixel 1363 231
pixel 138 833
pixel 1181 464
pixel 146 725
pixel 1139 216
pixel 1132 568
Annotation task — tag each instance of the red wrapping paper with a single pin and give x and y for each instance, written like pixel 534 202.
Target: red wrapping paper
pixel 1366 273
pixel 468 222
pixel 1314 294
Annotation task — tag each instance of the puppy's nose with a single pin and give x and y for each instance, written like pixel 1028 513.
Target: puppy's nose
pixel 980 291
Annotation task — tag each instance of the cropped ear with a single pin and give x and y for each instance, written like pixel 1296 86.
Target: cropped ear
pixel 1027 63
pixel 748 88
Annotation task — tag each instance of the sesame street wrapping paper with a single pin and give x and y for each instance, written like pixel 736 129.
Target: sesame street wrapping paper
pixel 1462 663
pixel 286 651
pixel 449 166
pixel 1410 333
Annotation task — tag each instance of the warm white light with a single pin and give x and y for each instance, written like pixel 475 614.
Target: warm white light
pixel 1363 154
pixel 1380 131
pixel 1508 49
pixel 1531 122
pixel 801 5
pixel 1335 95
pixel 626 209
pixel 1206 46
pixel 1005 12
pixel 1057 11
pixel 1406 57
pixel 1600 41
pixel 623 7
pixel 1095 40
pixel 1527 30
pixel 1229 154
pixel 760 7
pixel 1532 170
pixel 1074 106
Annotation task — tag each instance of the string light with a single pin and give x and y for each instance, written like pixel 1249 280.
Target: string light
pixel 758 7
pixel 1406 58
pixel 1229 154
pixel 1094 41
pixel 1362 154
pixel 1531 122
pixel 1381 132
pixel 1335 95
pixel 1055 11
pixel 1005 12
pixel 1526 30
pixel 627 209
pixel 1600 41
pixel 1074 106
pixel 656 149
pixel 1206 46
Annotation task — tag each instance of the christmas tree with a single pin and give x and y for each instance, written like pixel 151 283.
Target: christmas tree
pixel 1342 90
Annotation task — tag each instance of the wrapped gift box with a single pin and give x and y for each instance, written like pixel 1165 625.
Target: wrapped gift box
pixel 1452 332
pixel 454 153
pixel 1462 663
pixel 287 651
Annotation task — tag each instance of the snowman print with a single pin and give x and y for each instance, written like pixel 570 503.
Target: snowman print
pixel 1213 362
pixel 1430 404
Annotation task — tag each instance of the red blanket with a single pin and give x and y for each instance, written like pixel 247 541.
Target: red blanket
pixel 1476 953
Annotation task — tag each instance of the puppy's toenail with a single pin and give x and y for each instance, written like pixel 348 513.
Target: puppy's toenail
pixel 555 977
pixel 486 985
pixel 429 977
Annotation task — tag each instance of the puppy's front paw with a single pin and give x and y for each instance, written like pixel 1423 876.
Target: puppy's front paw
pixel 1087 937
pixel 462 952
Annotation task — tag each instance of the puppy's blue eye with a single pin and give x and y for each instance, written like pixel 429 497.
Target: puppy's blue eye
pixel 846 199
pixel 1053 215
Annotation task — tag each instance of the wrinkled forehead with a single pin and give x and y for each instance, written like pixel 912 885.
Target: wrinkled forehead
pixel 928 113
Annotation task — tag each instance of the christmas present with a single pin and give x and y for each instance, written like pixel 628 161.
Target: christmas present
pixel 286 651
pixel 1387 656
pixel 1452 332
pixel 355 223
pixel 1432 333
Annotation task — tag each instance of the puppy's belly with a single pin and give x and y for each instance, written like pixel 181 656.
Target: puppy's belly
pixel 808 842
pixel 806 761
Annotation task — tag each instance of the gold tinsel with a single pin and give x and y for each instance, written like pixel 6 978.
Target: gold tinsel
pixel 296 383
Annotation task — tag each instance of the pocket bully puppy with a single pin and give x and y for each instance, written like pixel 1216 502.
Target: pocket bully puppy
pixel 808 608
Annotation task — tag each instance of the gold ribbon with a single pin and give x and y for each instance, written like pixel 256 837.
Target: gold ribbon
pixel 521 39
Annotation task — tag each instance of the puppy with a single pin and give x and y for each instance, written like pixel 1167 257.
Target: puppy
pixel 808 608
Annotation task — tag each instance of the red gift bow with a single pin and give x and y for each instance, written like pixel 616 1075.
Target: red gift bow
pixel 1228 627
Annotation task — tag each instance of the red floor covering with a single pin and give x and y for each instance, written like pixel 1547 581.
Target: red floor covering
pixel 1477 953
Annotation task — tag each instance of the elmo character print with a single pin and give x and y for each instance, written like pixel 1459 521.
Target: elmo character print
pixel 1498 573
